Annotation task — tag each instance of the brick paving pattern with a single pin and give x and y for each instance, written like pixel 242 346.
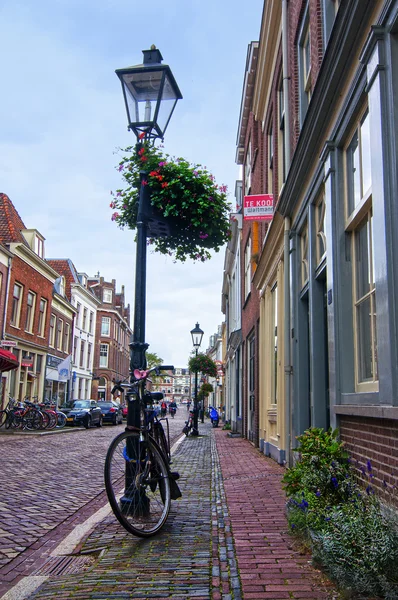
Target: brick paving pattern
pixel 225 539
pixel 269 566
pixel 54 482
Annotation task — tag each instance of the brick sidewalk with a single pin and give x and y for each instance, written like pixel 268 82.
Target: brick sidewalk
pixel 225 539
pixel 268 565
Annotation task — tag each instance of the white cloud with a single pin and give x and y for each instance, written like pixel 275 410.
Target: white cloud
pixel 62 117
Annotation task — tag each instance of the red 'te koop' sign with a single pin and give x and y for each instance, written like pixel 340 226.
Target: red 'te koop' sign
pixel 259 207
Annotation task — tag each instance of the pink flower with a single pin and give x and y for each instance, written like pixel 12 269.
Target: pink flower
pixel 144 182
pixel 162 164
pixel 120 168
pixel 203 236
pixel 115 216
pixel 112 205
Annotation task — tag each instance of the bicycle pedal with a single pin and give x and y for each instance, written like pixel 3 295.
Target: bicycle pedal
pixel 174 475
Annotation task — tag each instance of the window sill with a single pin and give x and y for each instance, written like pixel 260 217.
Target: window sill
pixel 375 412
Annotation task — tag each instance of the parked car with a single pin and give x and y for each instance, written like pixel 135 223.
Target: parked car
pixel 84 412
pixel 111 412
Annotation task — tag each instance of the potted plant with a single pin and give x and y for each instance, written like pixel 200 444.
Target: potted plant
pixel 185 194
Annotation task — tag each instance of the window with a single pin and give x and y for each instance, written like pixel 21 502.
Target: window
pixel 66 337
pixel 359 180
pixel 248 269
pixel 82 350
pixel 16 304
pixel 104 350
pixel 107 296
pixel 270 145
pixel 359 228
pixel 42 317
pixel 248 169
pixel 89 347
pixel 78 311
pixel 60 331
pixel 304 255
pixel 30 311
pixel 75 340
pixel 304 67
pixel 281 136
pixel 84 324
pixel 365 303
pixel 320 216
pixel 274 344
pixel 90 327
pixel 105 326
pixel 51 340
pixel 329 11
pixel 39 246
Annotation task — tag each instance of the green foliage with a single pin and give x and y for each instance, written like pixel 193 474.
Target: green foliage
pixel 196 208
pixel 152 359
pixel 206 389
pixel 201 363
pixel 341 522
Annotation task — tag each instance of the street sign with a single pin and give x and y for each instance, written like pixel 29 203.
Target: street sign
pixel 258 207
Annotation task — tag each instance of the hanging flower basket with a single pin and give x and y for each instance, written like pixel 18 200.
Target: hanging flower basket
pixel 186 195
pixel 206 389
pixel 202 363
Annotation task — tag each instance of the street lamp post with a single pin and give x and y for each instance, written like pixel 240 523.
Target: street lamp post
pixel 150 94
pixel 197 335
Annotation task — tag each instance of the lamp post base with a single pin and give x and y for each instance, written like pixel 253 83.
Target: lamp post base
pixel 194 431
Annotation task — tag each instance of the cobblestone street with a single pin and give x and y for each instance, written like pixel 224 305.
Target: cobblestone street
pixel 48 479
pixel 225 539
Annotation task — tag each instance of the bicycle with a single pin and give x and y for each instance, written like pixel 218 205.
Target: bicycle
pixel 138 480
pixel 5 413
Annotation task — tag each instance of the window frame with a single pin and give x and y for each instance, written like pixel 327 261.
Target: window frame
pixel 30 311
pixel 104 354
pixel 52 330
pixel 107 320
pixel 16 304
pixel 359 213
pixel 41 323
pixel 107 296
pixel 304 69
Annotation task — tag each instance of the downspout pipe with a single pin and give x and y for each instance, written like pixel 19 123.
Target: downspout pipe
pixel 286 240
pixel 287 347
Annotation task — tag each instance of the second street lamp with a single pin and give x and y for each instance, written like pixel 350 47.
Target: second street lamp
pixel 197 335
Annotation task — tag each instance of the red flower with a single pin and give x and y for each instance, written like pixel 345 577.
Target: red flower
pixel 154 173
pixel 164 184
pixel 143 159
pixel 144 182
pixel 142 135
pixel 141 152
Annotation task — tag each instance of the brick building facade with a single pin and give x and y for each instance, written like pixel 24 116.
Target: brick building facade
pixel 113 336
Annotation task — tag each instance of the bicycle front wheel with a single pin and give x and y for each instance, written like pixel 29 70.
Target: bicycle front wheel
pixel 137 484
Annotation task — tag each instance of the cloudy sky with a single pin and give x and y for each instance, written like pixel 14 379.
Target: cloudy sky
pixel 62 118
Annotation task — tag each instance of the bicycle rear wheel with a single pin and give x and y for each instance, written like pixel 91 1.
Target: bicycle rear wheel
pixel 137 484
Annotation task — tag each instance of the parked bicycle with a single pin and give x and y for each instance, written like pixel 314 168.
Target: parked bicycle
pixel 138 480
pixel 188 424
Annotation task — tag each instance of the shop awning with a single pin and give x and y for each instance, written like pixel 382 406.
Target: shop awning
pixel 8 360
